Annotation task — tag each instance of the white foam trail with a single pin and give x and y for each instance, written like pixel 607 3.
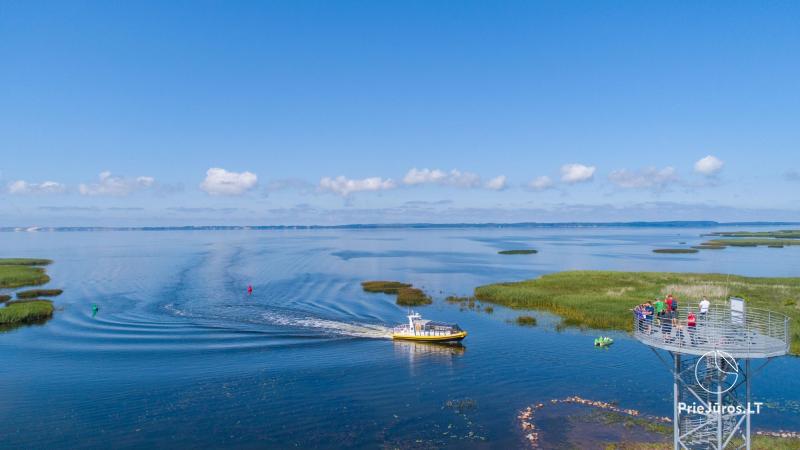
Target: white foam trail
pixel 344 328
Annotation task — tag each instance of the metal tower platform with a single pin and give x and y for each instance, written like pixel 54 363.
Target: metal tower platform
pixel 711 369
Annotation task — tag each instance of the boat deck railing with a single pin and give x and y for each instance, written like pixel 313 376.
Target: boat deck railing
pixel 752 333
pixel 423 332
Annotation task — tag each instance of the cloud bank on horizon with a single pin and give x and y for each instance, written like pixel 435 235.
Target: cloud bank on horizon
pixel 222 182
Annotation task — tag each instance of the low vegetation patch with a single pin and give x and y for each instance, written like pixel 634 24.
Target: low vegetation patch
pixel 24 262
pixel 33 293
pixel 526 321
pixel 753 242
pixel 410 296
pixel 470 303
pixel 784 234
pixel 518 252
pixel 18 272
pixel 708 247
pixel 22 312
pixel 387 287
pixel 604 299
pixel 675 250
pixel 407 295
pixel 457 299
pixel 18 275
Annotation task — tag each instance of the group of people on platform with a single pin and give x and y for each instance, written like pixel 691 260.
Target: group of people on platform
pixel 663 314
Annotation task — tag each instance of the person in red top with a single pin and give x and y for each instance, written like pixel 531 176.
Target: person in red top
pixel 691 325
pixel 669 304
pixel 250 289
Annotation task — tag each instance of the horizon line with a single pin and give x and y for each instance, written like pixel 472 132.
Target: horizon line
pixel 573 224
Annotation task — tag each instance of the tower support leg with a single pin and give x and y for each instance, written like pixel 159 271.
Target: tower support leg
pixel 747 402
pixel 676 415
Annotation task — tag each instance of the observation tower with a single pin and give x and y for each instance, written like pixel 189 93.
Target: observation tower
pixel 711 369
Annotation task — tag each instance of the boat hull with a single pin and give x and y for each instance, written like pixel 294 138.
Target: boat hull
pixel 455 337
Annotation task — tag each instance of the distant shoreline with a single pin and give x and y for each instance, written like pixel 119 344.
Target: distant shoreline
pixel 521 225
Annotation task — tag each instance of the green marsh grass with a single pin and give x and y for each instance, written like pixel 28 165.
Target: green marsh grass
pixel 26 312
pixel 604 299
pixel 387 287
pixel 407 295
pixel 675 250
pixel 33 293
pixel 24 262
pixel 526 321
pixel 17 275
pixel 754 242
pixel 517 252
pixel 708 247
pixel 786 234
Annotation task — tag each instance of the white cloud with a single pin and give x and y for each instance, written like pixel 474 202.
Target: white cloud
pixel 422 176
pixel 649 178
pixel 346 186
pixel 541 183
pixel 109 184
pixel 145 181
pixel 454 178
pixel 708 166
pixel 222 182
pixel 45 187
pixel 577 173
pixel 497 183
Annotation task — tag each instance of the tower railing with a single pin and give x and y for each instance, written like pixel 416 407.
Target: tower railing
pixel 752 333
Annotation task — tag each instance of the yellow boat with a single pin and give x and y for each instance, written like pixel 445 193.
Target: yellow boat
pixel 418 329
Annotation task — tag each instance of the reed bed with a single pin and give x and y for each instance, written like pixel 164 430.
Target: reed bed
pixel 26 312
pixel 34 293
pixel 407 295
pixel 24 262
pixel 18 275
pixel 604 300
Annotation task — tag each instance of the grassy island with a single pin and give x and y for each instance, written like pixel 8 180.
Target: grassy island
pixel 34 293
pixel 25 312
pixel 788 234
pixel 676 250
pixel 774 239
pixel 518 252
pixel 387 287
pixel 19 272
pixel 752 242
pixel 407 295
pixel 24 261
pixel 18 276
pixel 708 247
pixel 603 300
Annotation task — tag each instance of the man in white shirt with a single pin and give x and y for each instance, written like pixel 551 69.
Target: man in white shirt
pixel 704 304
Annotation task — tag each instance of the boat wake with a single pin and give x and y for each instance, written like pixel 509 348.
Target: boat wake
pixel 361 330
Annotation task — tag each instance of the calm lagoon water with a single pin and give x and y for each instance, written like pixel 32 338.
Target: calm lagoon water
pixel 179 356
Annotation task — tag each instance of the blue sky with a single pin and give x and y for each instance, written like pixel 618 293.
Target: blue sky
pixel 158 113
